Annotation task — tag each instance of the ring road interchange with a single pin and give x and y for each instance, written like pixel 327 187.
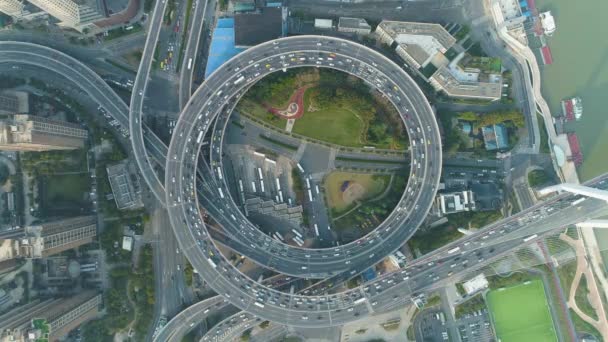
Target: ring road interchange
pixel 255 63
pixel 437 267
pixel 114 106
pixel 183 206
pixel 527 219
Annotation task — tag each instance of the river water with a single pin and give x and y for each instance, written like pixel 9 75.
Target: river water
pixel 580 68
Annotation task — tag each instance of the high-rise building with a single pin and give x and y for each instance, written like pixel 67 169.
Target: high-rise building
pixel 48 319
pixel 12 102
pixel 31 133
pixel 13 8
pixel 76 15
pixel 55 237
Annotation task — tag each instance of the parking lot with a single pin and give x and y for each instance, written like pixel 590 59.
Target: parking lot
pixel 430 325
pixel 476 327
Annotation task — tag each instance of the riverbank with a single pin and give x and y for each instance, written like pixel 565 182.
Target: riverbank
pixel 560 149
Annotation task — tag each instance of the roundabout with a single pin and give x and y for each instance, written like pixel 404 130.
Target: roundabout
pixel 216 98
pixel 390 291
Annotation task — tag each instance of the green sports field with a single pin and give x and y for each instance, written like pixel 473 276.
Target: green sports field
pixel 521 313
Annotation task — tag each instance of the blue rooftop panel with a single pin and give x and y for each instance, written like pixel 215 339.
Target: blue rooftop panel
pixel 502 137
pixel 369 274
pixel 495 137
pixel 225 23
pixel 222 45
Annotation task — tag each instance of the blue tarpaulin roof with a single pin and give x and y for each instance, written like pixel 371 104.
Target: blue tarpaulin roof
pixel 369 274
pixel 222 45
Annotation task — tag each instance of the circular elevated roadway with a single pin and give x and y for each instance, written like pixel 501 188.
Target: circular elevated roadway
pixel 217 94
pixel 238 74
pixel 388 291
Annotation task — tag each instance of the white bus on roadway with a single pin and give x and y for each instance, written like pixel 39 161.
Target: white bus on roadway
pixel 453 250
pixel 189 63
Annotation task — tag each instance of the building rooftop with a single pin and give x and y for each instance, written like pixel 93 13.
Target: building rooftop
pixel 124 191
pixel 495 137
pixel 421 40
pixel 222 45
pixel 258 27
pixel 476 284
pixel 443 79
pixel 354 23
pixel 30 132
pixel 127 243
pixel 456 202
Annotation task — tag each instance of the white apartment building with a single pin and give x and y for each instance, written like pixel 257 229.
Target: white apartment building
pixel 71 13
pixel 13 8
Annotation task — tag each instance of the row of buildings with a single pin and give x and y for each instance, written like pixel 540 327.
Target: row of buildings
pixel 46 239
pixel 53 317
pixel 432 52
pixel 52 314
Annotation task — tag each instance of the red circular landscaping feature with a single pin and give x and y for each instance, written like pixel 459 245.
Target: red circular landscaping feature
pixel 295 108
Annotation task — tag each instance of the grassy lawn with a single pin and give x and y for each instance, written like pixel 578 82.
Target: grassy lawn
pixel 258 111
pixel 67 187
pixel 521 313
pixel 489 64
pixel 336 125
pixel 370 213
pixel 336 109
pixel 566 275
pixel 64 193
pixel 372 185
pixel 426 241
pixel 583 327
pixel 544 136
pixel 582 291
